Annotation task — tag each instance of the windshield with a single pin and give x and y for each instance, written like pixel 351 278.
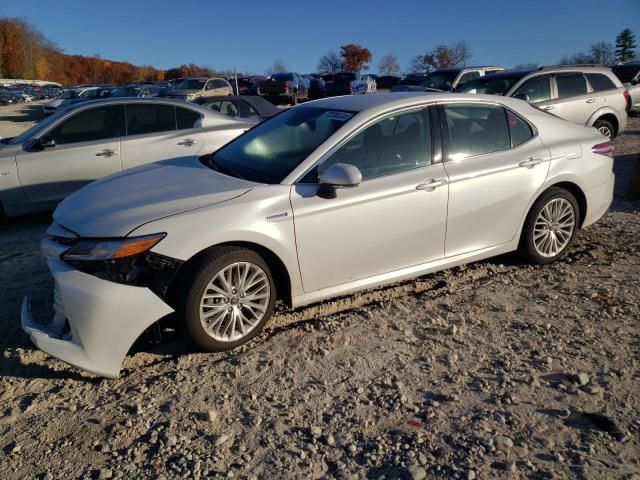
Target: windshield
pixel 68 94
pixel 489 86
pixel 190 84
pixel 344 77
pixel 281 77
pixel 441 81
pixel 270 151
pixel 125 92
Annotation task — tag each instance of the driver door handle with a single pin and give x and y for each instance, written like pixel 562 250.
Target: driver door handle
pixel 591 100
pixel 532 162
pixel 106 153
pixel 548 107
pixel 187 142
pixel 430 184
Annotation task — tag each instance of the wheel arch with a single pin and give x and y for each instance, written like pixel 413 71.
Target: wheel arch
pixel 572 188
pixel 608 115
pixel 279 271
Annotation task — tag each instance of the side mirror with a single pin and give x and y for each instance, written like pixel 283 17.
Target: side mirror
pixel 634 81
pixel 338 175
pixel 522 96
pixel 46 141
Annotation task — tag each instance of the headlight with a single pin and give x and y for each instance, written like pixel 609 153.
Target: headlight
pixel 92 250
pixel 125 260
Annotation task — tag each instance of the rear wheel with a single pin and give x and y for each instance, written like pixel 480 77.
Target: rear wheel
pixel 605 127
pixel 550 226
pixel 230 299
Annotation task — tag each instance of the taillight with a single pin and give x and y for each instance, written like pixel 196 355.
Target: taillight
pixel 605 148
pixel 286 85
pixel 627 97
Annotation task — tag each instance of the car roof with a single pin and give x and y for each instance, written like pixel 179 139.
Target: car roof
pixel 386 101
pixel 506 74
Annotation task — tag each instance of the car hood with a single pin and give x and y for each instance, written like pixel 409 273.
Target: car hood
pixel 55 103
pixel 119 203
pixel 181 93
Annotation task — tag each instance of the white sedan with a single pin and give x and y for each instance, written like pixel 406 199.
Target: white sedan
pixel 74 147
pixel 324 199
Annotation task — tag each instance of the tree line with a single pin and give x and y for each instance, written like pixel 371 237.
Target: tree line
pixel 27 53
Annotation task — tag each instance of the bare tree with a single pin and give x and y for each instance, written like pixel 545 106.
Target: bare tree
pixel 388 65
pixel 330 62
pixel 603 53
pixel 278 66
pixel 441 56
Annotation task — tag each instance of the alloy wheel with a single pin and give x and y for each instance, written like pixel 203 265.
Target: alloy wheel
pixel 554 227
pixel 606 131
pixel 234 301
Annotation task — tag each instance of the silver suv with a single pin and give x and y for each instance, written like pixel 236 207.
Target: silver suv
pixel 584 94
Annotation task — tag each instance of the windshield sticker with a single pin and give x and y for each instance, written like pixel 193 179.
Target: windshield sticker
pixel 336 115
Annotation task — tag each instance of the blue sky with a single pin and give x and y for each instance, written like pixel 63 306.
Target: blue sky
pixel 250 35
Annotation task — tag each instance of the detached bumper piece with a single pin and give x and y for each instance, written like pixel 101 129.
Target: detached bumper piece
pixel 96 321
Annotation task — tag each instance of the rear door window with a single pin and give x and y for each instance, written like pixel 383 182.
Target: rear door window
pixel 600 82
pixel 476 130
pixel 143 119
pixel 571 85
pixel 90 125
pixel 468 76
pixel 538 89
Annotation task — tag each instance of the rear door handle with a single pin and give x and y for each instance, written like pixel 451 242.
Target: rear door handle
pixel 106 153
pixel 591 100
pixel 431 184
pixel 547 108
pixel 187 142
pixel 532 162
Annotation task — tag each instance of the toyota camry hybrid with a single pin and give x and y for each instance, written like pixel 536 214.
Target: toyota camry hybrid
pixel 324 199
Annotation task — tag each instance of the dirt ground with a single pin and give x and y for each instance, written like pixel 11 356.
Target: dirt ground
pixel 493 370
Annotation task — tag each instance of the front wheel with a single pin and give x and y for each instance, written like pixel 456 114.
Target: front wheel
pixel 231 298
pixel 550 226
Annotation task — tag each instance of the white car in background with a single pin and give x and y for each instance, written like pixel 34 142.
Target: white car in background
pixel 324 199
pixel 97 138
pixel 65 98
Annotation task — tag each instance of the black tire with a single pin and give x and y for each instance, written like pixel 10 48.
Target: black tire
pixel 527 248
pixel 605 126
pixel 214 262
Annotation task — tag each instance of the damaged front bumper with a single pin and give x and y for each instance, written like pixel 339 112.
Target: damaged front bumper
pixel 96 321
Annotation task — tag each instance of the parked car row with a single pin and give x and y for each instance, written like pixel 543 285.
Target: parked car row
pixel 17 93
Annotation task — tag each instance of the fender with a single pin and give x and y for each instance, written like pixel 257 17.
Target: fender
pixel 12 197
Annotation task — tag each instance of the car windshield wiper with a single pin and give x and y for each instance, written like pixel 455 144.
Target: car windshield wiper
pixel 222 169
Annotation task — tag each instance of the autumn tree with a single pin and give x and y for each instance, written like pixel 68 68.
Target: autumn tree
pixel 278 66
pixel 330 62
pixel 526 66
pixel 441 56
pixel 600 53
pixel 355 58
pixel 625 46
pixel 388 65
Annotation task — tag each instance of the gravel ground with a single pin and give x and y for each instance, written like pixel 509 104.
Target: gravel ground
pixel 493 370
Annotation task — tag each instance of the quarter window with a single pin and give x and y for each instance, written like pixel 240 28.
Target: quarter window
pixel 391 145
pixel 600 82
pixel 571 85
pixel 519 129
pixel 150 119
pixel 89 125
pixel 537 89
pixel 186 118
pixel 476 129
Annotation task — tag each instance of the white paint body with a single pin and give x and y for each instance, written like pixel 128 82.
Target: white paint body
pixel 384 230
